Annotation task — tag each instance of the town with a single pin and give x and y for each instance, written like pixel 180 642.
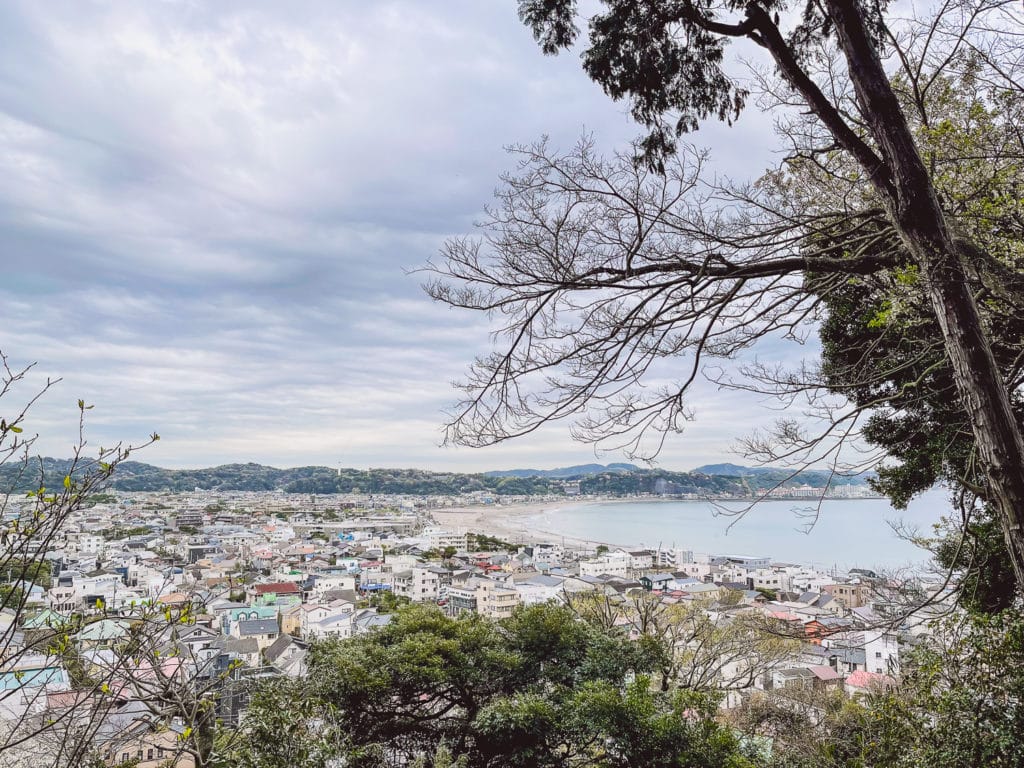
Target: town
pixel 174 598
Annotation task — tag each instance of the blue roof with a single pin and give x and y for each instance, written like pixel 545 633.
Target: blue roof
pixel 10 681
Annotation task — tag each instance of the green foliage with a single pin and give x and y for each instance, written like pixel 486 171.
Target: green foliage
pixel 103 498
pixel 825 729
pixel 969 680
pixel 136 476
pixel 977 551
pixel 882 345
pixel 482 542
pixel 958 704
pixel 539 689
pixel 386 601
pixel 20 569
pixel 117 532
pixel 288 727
pixel 11 596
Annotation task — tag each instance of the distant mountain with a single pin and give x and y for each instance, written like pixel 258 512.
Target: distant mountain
pixel 136 476
pixel 580 470
pixel 732 470
pixel 816 478
pixel 611 479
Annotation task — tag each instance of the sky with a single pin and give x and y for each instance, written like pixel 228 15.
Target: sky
pixel 209 214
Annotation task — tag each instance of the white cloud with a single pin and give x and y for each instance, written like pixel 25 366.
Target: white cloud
pixel 208 211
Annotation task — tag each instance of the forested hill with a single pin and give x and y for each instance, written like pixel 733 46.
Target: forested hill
pixel 770 476
pixel 136 476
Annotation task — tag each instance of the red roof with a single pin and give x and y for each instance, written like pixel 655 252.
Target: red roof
pixel 278 588
pixel 864 679
pixel 825 673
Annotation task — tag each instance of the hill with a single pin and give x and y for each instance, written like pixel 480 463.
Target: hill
pixel 579 470
pixel 613 479
pixel 766 476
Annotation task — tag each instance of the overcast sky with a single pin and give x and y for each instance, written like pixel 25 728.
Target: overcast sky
pixel 208 211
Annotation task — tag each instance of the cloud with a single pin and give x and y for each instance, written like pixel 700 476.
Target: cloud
pixel 208 212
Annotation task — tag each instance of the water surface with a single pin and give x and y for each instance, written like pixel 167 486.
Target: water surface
pixel 848 532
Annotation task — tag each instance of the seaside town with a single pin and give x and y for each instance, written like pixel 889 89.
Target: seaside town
pixel 214 592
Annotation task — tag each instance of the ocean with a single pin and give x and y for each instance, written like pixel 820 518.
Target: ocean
pixel 848 533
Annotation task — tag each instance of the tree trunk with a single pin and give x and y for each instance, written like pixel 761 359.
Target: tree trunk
pixel 915 211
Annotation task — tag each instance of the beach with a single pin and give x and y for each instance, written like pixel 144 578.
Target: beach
pixel 852 532
pixel 511 522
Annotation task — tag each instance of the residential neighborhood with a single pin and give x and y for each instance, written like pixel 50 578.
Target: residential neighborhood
pixel 215 591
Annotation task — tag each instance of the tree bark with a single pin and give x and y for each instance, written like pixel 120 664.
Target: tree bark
pixel 915 210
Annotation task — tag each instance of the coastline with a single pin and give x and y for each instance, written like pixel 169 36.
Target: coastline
pixel 511 522
pixel 777 530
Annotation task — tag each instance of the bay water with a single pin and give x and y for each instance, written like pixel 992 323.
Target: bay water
pixel 846 533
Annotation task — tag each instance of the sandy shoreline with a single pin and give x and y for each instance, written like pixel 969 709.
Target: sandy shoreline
pixel 516 523
pixel 526 523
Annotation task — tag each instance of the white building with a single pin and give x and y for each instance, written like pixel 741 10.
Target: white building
pixel 483 596
pixel 442 538
pixel 421 583
pixel 540 589
pixel 613 564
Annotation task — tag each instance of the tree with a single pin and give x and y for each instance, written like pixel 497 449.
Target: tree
pixel 697 646
pixel 39 507
pixel 604 270
pixel 958 703
pixel 882 349
pixel 538 689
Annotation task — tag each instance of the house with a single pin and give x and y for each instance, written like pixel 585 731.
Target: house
pixel 265 631
pixel 367 620
pixel 420 583
pixel 703 591
pixel 288 655
pixel 483 596
pixel 266 594
pixel 862 682
pixel 657 582
pixel 615 564
pixel 791 679
pixel 539 588
pixel 246 650
pixel 196 642
pixel 339 625
pixel 639 559
pixel 28 682
pixel 850 595
pixel 142 741
pixel 104 633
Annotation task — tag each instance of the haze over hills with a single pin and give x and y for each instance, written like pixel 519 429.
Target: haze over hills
pixel 816 478
pixel 578 470
pixel 613 479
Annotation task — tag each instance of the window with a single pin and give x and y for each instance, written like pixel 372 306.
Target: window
pixel 125 757
pixel 878 654
pixel 149 753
